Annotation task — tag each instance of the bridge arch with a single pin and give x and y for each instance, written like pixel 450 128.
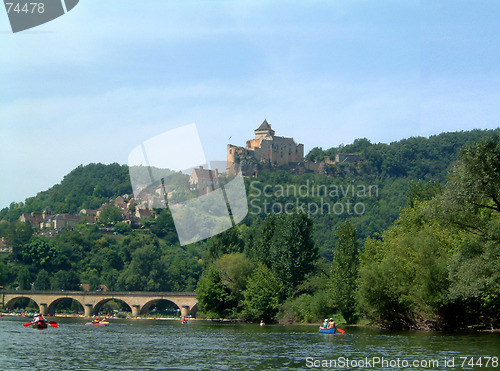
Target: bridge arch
pixel 98 305
pixel 12 301
pixel 51 308
pixel 194 310
pixel 148 304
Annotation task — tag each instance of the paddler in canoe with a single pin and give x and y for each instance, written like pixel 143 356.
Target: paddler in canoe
pixel 331 324
pixel 39 321
pixel 97 321
pixel 330 327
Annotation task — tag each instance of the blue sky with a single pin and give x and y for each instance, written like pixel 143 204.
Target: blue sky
pixel 93 84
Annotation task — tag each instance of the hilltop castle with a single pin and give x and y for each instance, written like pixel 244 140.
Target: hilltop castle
pixel 267 148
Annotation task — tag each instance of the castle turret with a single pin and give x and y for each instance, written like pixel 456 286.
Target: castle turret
pixel 264 131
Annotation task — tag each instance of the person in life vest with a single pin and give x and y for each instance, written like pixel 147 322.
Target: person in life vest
pixel 39 319
pixel 331 324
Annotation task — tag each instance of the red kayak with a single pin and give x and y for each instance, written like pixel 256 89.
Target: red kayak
pixel 40 325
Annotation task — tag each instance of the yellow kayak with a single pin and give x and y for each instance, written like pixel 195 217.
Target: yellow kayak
pixel 100 323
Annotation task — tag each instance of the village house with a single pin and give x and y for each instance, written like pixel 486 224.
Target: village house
pixel 130 218
pixel 5 247
pixel 61 221
pixel 33 218
pixel 143 214
pixel 120 203
pixel 204 180
pixel 89 214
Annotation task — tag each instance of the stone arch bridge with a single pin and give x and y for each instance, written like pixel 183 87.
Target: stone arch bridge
pixel 92 301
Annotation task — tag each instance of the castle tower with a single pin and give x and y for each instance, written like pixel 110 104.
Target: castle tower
pixel 264 131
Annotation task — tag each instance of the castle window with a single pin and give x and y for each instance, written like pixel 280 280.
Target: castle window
pixel 281 154
pixel 230 151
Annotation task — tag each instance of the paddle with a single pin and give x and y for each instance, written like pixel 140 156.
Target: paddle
pixel 52 323
pixel 340 330
pixel 27 324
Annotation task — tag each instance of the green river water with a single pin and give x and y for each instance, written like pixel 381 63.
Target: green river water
pixel 202 345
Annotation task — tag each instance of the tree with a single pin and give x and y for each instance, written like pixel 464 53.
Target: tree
pixel 475 283
pixel 110 215
pixel 110 259
pixel 214 298
pixel 225 243
pixel 163 225
pixel 234 270
pixel 65 280
pixel 145 271
pixel 38 252
pixel 42 281
pixel 263 244
pixel 286 246
pixel 18 234
pixel 345 271
pixel 24 278
pixel 4 273
pixel 315 155
pixel 422 191
pixel 122 228
pixel 403 277
pixel 92 278
pixel 262 295
pixel 183 270
pixel 471 200
pixel 471 203
pixel 294 254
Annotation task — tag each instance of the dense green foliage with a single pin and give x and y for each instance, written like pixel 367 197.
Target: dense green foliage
pixel 254 282
pixel 139 260
pixel 438 264
pixel 416 157
pixel 85 187
pixel 345 271
pixel 420 247
pixel 262 295
pixel 370 191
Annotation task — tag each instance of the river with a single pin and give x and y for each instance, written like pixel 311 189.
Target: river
pixel 202 345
